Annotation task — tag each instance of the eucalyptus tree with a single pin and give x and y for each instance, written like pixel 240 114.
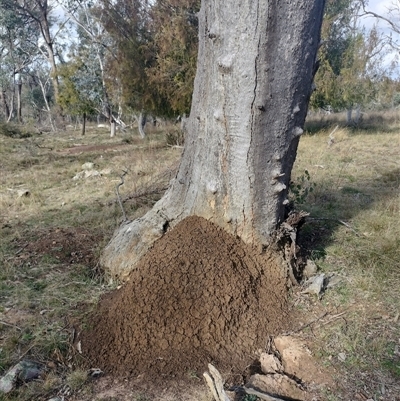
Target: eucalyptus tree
pixel 174 44
pixel 127 22
pixel 391 18
pixel 253 82
pixel 18 50
pixel 41 13
pixel 350 60
pixel 92 47
pixel 81 87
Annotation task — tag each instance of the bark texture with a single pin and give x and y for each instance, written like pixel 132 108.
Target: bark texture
pixel 253 82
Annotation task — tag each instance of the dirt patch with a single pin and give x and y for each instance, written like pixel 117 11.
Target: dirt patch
pixel 108 388
pixel 69 245
pixel 199 295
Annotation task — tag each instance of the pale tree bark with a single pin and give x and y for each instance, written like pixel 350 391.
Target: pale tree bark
pixel 252 87
pixel 39 11
pixel 19 101
pixel 141 122
pixel 113 128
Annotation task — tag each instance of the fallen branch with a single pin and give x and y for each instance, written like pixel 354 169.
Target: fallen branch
pixel 304 326
pixel 335 221
pixel 331 138
pixel 10 325
pixel 214 381
pixel 333 318
pixel 262 395
pixel 125 172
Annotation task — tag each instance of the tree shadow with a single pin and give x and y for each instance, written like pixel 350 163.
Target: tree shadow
pixel 332 208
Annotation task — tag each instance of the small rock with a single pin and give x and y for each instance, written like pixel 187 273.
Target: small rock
pixel 94 372
pixel 23 193
pixel 310 269
pixel 106 171
pixel 333 281
pixel 56 399
pixel 270 363
pixel 86 174
pixel 88 166
pixel 342 356
pixel 277 384
pixel 315 285
pixel 92 173
pixel 24 371
pixel 79 176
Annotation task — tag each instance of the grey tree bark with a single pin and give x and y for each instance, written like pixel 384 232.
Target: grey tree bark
pixel 252 87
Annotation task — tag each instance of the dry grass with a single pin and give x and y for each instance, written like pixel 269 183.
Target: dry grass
pixel 52 235
pixel 356 179
pixel 45 278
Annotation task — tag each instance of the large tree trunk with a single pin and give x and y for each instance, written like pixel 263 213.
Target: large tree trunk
pixel 253 82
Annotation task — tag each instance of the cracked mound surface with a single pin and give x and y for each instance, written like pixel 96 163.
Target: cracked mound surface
pixel 199 295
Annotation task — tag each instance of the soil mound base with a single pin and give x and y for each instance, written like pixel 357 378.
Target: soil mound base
pixel 200 295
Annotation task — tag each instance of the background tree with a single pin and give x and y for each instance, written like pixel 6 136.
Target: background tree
pixel 350 60
pixel 18 50
pixel 127 23
pixel 79 90
pixel 174 46
pixel 39 12
pixel 251 92
pixel 391 18
pixel 93 47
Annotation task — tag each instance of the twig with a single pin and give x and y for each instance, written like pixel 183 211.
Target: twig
pixel 125 172
pixel 333 318
pixel 304 326
pixel 10 325
pixel 21 249
pixel 336 221
pixel 42 147
pixel 331 138
pixel 23 355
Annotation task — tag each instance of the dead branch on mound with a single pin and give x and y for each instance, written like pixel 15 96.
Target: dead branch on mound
pixel 261 395
pixel 215 383
pixel 286 238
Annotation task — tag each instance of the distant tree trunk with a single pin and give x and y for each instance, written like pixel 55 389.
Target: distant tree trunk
pixel 12 103
pixel 6 109
pixel 141 124
pixel 19 101
pixel 253 83
pixel 349 113
pixel 113 127
pixel 357 118
pixel 83 123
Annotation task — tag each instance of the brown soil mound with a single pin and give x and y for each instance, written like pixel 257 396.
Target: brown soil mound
pixel 199 295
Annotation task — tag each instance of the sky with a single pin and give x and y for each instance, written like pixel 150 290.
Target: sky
pixel 380 7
